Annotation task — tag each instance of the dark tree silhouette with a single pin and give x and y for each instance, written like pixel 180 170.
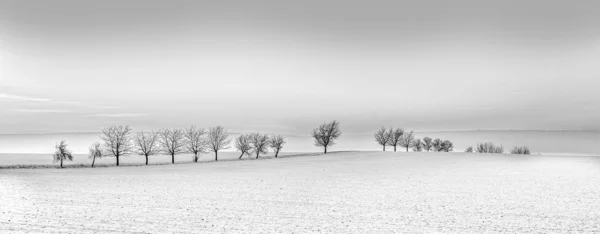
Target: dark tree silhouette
pixel 520 150
pixel 117 141
pixel 437 145
pixel 95 152
pixel 326 134
pixel 147 144
pixel 447 146
pixel 195 141
pixel 427 144
pixel 407 140
pixel 62 153
pixel 218 139
pixel 242 144
pixel 260 143
pixel 382 137
pixel 276 143
pixel 417 145
pixel 172 142
pixel 469 149
pixel 395 137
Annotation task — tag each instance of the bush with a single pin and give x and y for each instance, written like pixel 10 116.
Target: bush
pixel 520 150
pixel 469 149
pixel 489 148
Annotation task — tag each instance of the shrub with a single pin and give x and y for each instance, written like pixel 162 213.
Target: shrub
pixel 489 148
pixel 520 150
pixel 469 149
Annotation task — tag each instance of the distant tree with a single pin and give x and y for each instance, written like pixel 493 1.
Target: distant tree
pixel 395 137
pixel 520 150
pixel 469 149
pixel 147 144
pixel 437 145
pixel 95 152
pixel 489 148
pixel 242 144
pixel 427 144
pixel 407 140
pixel 62 153
pixel 276 143
pixel 326 134
pixel 195 141
pixel 382 137
pixel 417 145
pixel 218 139
pixel 260 143
pixel 117 141
pixel 447 146
pixel 172 142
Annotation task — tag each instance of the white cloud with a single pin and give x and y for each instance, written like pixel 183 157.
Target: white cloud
pixel 118 115
pixel 42 111
pixel 22 98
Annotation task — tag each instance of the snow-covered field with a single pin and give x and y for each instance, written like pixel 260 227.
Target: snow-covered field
pixel 352 192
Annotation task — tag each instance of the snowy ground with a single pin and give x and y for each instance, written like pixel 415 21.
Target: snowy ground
pixel 358 192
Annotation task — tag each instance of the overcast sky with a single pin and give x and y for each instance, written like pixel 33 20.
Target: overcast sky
pixel 286 66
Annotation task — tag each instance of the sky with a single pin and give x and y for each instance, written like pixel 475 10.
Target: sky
pixel 288 66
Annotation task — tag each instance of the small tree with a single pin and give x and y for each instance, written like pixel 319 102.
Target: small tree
pixel 395 137
pixel 427 144
pixel 242 144
pixel 437 145
pixel 276 143
pixel 489 148
pixel 62 153
pixel 172 142
pixel 260 143
pixel 95 152
pixel 326 134
pixel 147 144
pixel 447 146
pixel 218 139
pixel 407 140
pixel 195 141
pixel 117 141
pixel 382 137
pixel 417 145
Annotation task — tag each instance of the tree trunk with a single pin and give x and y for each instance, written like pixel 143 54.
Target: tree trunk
pixel 117 160
pixel 216 155
pixel 394 148
pixel 241 155
pixel 383 148
pixel 146 159
pixel 257 153
pixel 173 158
pixel 325 149
pixel 61 160
pixel 195 157
pixel 406 148
pixel 276 153
pixel 93 161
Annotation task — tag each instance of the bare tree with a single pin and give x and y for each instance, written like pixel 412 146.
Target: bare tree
pixel 218 139
pixel 447 146
pixel 172 142
pixel 242 143
pixel 95 152
pixel 395 137
pixel 407 140
pixel 437 145
pixel 417 145
pixel 260 143
pixel 117 141
pixel 382 137
pixel 427 144
pixel 147 144
pixel 276 143
pixel 326 134
pixel 62 153
pixel 195 141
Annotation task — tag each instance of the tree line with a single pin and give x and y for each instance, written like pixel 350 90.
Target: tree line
pixel 397 137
